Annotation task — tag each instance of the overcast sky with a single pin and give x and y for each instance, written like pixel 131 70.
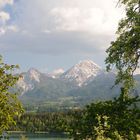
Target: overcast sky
pixel 51 34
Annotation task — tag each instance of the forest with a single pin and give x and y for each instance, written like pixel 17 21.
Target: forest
pixel 53 122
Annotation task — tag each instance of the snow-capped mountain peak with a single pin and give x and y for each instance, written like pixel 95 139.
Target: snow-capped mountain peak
pixel 82 72
pixel 88 63
pixel 34 74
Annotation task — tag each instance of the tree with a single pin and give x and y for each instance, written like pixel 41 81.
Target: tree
pixel 116 119
pixel 10 107
pixel 124 53
pixel 108 120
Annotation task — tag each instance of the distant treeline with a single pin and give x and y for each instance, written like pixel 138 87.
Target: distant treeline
pixel 50 122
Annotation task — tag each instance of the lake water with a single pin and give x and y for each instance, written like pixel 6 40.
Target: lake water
pixel 39 137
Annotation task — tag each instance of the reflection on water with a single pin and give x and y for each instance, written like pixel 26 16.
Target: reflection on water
pixel 16 136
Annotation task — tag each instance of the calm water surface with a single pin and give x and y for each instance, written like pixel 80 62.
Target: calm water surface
pixel 39 137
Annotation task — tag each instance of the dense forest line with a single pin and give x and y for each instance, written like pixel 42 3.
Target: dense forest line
pixel 51 122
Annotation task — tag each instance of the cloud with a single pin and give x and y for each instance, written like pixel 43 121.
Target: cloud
pixel 2 31
pixel 5 2
pixel 60 27
pixel 13 28
pixel 94 16
pixel 92 20
pixel 55 44
pixel 4 17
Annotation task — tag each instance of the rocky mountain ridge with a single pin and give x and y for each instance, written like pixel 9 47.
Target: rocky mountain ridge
pixel 80 74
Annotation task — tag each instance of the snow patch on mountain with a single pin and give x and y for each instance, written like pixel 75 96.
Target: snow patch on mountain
pixel 56 73
pixel 82 72
pixel 137 71
pixel 34 75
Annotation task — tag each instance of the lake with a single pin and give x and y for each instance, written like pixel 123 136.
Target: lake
pixel 42 138
pixel 17 136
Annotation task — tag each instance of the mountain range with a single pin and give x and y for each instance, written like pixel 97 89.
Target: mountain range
pixel 81 84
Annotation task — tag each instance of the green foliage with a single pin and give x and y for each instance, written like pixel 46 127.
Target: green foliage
pixel 9 105
pixel 113 120
pixel 124 53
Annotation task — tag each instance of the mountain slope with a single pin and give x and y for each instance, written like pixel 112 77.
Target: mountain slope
pixel 37 88
pixel 46 91
pixel 99 89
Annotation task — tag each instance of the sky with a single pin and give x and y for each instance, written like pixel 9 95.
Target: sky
pixel 52 34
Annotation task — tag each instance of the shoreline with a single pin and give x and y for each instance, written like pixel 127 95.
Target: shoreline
pixel 38 134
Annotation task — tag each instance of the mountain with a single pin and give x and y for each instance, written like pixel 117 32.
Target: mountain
pixel 28 80
pixel 82 72
pixel 81 84
pixel 56 87
pixel 37 88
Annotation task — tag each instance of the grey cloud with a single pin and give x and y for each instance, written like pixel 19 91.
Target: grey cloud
pixel 58 43
pixel 35 15
pixel 33 18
